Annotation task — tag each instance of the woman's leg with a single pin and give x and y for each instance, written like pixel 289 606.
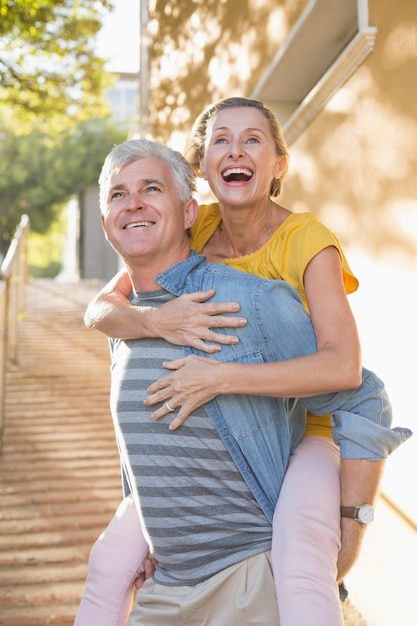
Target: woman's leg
pixel 306 536
pixel 115 562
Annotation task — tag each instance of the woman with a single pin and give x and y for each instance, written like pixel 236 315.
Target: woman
pixel 238 146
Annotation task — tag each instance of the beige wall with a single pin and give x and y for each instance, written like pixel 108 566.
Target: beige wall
pixel 355 166
pixel 204 51
pixel 97 258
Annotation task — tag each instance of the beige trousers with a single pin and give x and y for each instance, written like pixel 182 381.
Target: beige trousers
pixel 241 595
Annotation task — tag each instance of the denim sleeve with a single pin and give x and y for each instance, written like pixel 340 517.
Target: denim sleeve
pixel 361 420
pixel 361 417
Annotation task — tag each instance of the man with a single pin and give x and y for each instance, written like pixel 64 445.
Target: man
pixel 206 493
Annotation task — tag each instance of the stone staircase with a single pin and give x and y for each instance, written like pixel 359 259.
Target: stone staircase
pixel 59 469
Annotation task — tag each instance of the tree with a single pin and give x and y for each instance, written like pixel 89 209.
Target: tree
pixel 50 80
pixel 43 172
pixel 49 71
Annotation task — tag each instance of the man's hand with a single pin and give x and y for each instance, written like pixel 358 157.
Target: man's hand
pixel 360 484
pixel 351 541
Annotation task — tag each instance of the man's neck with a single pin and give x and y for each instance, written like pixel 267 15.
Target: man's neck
pixel 143 274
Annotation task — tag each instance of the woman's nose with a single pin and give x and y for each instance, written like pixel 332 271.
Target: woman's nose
pixel 236 149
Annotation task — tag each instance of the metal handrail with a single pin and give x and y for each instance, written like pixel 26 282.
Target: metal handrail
pixel 13 277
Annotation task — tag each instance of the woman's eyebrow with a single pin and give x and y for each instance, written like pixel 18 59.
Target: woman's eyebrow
pixel 250 129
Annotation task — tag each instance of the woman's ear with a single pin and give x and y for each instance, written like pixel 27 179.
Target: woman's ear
pixel 280 166
pixel 202 169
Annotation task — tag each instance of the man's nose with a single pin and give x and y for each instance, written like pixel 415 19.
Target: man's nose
pixel 135 201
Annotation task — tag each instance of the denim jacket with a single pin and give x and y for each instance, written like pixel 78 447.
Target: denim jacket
pixel 261 432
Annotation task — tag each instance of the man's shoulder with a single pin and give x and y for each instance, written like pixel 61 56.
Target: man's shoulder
pixel 226 271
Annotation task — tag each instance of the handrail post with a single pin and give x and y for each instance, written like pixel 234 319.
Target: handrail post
pixel 13 276
pixel 3 350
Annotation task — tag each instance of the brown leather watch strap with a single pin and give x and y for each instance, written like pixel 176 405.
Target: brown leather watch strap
pixel 349 511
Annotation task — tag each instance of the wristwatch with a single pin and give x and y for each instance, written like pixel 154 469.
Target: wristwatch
pixel 364 514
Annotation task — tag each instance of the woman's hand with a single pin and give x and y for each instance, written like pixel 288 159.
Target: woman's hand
pixel 189 319
pixel 185 321
pixel 194 381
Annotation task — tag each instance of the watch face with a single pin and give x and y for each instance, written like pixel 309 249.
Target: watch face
pixel 365 514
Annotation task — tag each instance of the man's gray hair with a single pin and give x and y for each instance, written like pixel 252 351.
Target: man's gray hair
pixel 130 151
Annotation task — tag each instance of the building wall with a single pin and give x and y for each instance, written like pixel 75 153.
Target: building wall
pixel 204 51
pixel 355 166
pixel 122 98
pixel 97 258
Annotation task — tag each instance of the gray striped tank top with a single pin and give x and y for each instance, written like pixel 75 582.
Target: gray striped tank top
pixel 197 512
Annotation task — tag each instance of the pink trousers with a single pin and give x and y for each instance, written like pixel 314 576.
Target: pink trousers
pixel 306 537
pixel 114 564
pixel 305 545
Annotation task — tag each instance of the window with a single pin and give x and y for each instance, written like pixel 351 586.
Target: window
pixel 328 42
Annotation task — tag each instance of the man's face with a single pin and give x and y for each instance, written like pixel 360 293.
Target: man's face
pixel 144 217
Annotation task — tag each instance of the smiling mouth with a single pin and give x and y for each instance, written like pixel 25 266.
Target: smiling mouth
pixel 237 174
pixel 138 225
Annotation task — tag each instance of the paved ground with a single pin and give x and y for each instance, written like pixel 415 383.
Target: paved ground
pixel 59 472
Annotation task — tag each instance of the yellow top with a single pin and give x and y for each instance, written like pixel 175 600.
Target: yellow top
pixel 284 256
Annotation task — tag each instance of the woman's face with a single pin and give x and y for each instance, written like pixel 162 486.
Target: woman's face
pixel 240 158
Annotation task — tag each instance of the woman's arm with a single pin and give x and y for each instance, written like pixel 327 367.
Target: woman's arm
pixel 335 366
pixel 185 321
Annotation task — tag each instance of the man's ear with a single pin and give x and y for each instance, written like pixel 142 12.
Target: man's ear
pixel 103 225
pixel 190 212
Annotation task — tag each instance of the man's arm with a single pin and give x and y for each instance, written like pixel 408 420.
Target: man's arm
pixel 360 483
pixel 362 428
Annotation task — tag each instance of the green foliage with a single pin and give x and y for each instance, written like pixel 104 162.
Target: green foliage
pixel 45 250
pixel 52 143
pixel 38 173
pixel 49 71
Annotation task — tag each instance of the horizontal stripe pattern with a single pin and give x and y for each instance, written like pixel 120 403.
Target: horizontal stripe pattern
pixel 198 512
